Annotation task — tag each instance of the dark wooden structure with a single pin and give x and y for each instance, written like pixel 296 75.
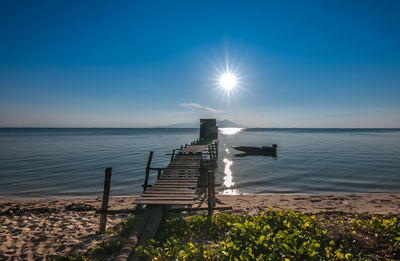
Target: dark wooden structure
pixel 178 183
pixel 208 129
pixel 189 174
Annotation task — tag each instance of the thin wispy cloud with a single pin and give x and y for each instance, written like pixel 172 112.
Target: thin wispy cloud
pixel 195 106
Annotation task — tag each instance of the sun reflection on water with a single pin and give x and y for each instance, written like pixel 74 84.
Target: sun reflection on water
pixel 230 131
pixel 228 174
pixel 228 178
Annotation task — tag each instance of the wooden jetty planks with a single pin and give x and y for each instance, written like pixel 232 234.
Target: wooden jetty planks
pixel 164 194
pixel 176 181
pixel 179 181
pixel 176 184
pixel 163 202
pixel 194 149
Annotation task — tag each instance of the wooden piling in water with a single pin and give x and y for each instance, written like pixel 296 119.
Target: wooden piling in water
pixel 106 196
pixel 173 155
pixel 146 179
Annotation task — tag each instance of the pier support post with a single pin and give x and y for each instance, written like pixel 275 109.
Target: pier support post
pixel 173 154
pixel 216 149
pixel 213 200
pixel 106 196
pixel 146 179
pixel 209 192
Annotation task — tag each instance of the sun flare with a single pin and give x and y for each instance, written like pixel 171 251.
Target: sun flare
pixel 227 80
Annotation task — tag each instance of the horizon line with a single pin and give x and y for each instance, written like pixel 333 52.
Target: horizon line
pixel 167 127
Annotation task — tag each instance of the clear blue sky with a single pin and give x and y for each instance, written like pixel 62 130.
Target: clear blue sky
pixel 149 63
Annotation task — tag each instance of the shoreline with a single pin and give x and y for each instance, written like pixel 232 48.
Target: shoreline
pixel 36 228
pixel 374 203
pixel 218 193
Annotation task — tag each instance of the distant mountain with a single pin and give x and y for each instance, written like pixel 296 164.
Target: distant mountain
pixel 222 124
pixel 228 124
pixel 185 125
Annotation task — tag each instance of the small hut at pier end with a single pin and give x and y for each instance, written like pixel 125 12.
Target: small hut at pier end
pixel 208 129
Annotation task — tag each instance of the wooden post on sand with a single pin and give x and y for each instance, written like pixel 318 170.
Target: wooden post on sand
pixel 104 204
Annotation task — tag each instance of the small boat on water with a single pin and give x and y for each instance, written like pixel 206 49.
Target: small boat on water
pixel 257 150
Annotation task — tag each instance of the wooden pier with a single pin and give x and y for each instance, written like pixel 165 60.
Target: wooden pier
pixel 188 177
pixel 178 183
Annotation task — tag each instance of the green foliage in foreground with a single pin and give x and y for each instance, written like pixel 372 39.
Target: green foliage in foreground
pixel 383 229
pixel 273 235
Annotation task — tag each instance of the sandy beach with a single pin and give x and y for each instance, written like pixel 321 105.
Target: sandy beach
pixel 36 229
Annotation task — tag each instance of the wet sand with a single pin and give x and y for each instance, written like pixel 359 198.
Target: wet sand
pixel 36 229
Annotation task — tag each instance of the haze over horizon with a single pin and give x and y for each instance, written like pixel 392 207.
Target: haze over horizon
pixel 144 64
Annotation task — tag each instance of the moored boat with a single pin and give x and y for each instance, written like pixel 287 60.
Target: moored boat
pixel 263 149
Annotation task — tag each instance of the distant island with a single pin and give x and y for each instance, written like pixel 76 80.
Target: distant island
pixel 221 123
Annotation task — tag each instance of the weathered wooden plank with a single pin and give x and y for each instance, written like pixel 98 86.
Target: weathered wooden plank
pixel 174 186
pixel 195 177
pixel 188 156
pixel 171 191
pixel 187 178
pixel 196 174
pixel 189 164
pixel 185 163
pixel 171 167
pixel 183 171
pixel 164 198
pixel 167 196
pixel 186 159
pixel 163 202
pixel 177 192
pixel 178 180
pixel 175 181
pixel 181 159
pixel 194 149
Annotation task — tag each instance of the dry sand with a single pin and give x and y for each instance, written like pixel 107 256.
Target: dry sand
pixel 346 203
pixel 36 229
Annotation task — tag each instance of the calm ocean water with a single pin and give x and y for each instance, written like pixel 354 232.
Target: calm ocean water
pixel 71 162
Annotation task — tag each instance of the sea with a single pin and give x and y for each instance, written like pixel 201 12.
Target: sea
pixel 70 162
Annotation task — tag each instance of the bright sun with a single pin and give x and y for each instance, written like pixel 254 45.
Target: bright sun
pixel 227 81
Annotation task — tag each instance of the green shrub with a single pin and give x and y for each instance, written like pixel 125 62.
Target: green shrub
pixel 273 235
